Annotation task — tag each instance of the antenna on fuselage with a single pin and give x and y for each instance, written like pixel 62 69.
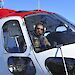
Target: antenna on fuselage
pixel 38 4
pixel 1 3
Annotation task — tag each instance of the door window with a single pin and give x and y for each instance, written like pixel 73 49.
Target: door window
pixel 14 41
pixel 21 66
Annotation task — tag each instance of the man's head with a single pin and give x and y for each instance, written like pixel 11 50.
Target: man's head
pixel 39 29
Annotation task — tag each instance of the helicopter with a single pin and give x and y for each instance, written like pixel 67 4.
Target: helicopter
pixel 18 56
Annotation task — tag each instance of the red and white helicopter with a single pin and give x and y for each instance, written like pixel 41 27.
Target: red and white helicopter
pixel 17 53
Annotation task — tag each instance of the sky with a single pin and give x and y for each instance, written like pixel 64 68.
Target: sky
pixel 65 8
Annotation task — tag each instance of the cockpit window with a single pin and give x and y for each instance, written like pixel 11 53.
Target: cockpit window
pixel 50 22
pixel 21 66
pixel 57 32
pixel 14 41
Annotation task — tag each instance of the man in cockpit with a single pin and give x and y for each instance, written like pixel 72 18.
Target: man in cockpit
pixel 40 42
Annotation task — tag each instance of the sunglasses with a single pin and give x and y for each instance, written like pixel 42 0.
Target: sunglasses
pixel 40 29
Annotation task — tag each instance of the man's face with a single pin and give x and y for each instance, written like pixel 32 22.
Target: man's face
pixel 39 29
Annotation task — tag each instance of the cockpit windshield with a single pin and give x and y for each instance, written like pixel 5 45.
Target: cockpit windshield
pixel 49 21
pixel 57 31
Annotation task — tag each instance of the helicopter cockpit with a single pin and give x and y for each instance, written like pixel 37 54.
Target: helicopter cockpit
pixel 56 31
pixel 18 43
